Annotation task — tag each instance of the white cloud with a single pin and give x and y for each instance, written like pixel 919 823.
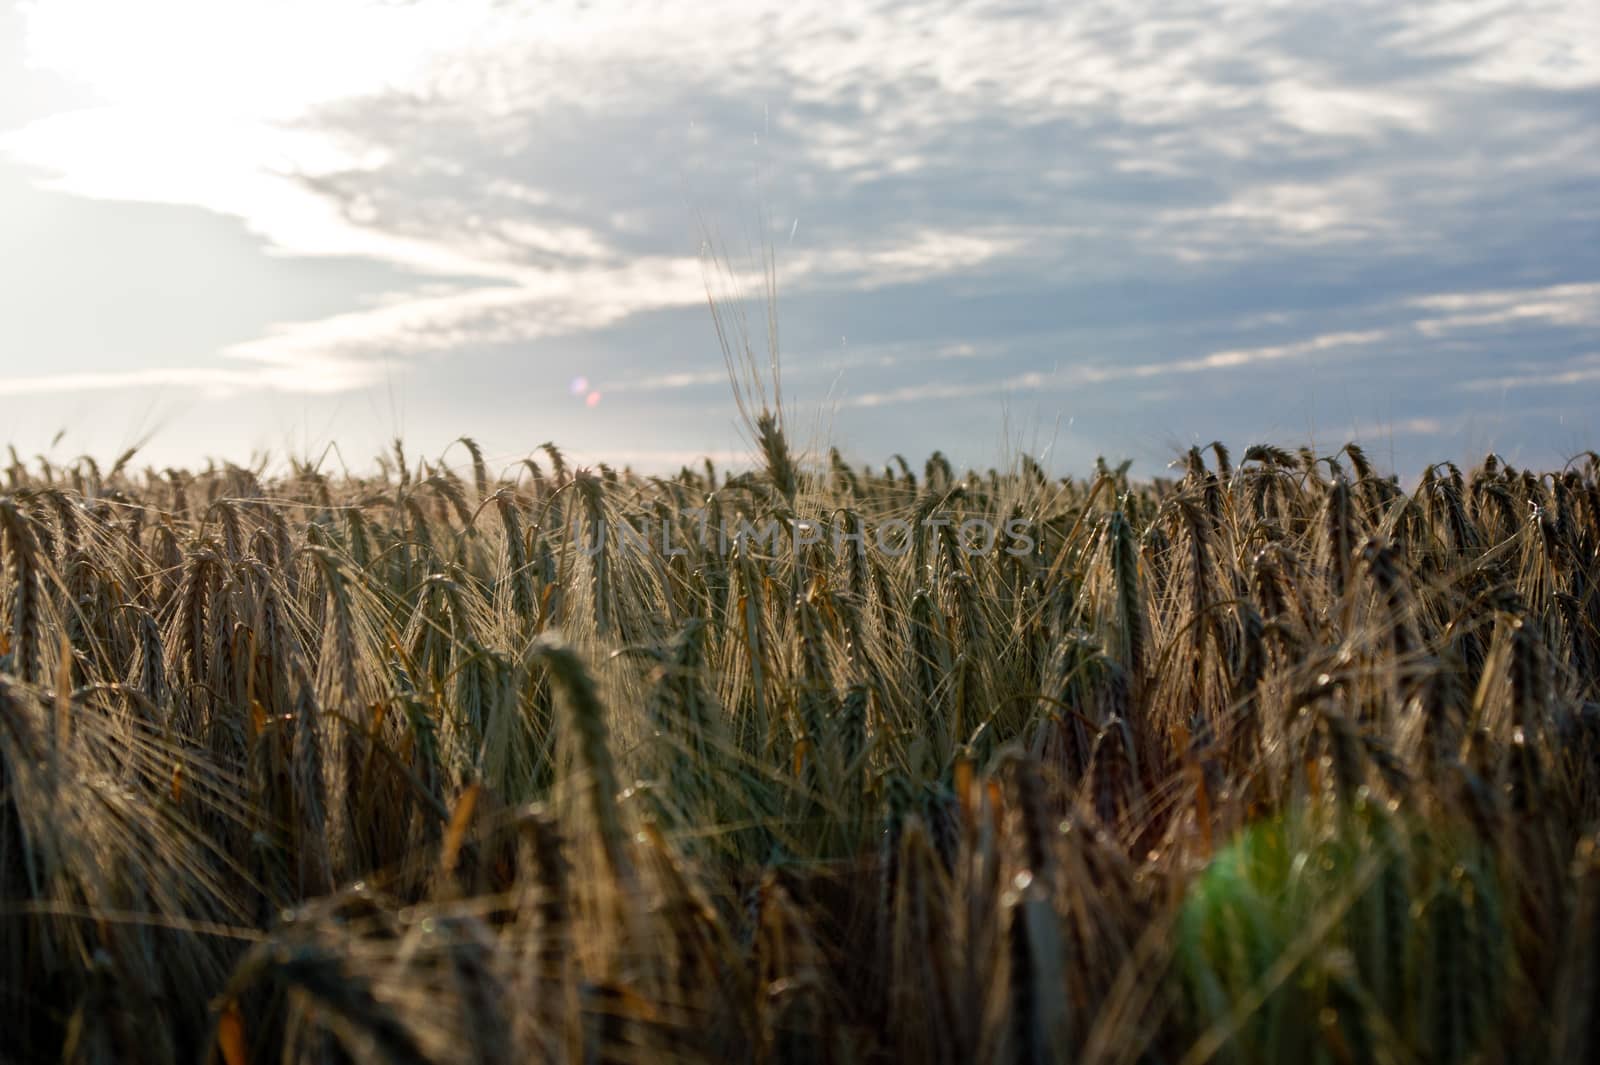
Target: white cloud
pixel 1104 373
pixel 1416 427
pixel 1232 359
pixel 537 304
pixel 1565 305
pixel 207 380
pixel 1343 112
pixel 1283 214
pixel 1584 369
pixel 1546 44
pixel 233 165
pixel 214 105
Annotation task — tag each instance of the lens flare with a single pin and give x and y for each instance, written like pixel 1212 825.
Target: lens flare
pixel 593 399
pixel 579 386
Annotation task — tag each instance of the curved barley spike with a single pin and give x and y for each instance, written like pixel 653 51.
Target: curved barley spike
pixel 402 468
pixel 1384 567
pixel 1133 622
pixel 910 478
pixel 1224 461
pixel 480 472
pixel 25 567
pixel 817 703
pixel 1113 781
pixel 588 722
pixel 151 678
pixel 929 670
pixel 450 491
pixel 1358 461
pixel 358 537
pixel 535 475
pixel 558 462
pixel 1267 584
pixel 774 445
pixel 854 544
pixel 1339 533
pixel 69 528
pixel 598 547
pixel 227 516
pixel 519 573
pixel 1268 455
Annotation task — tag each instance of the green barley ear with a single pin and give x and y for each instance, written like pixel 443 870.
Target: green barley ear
pixel 22 550
pixel 930 669
pixel 449 489
pixel 1114 785
pixel 588 723
pixel 689 725
pixel 151 667
pixel 558 462
pixel 1133 623
pixel 519 573
pixel 591 492
pixel 402 469
pixel 817 703
pixel 1339 536
pixel 775 450
pixel 1224 460
pixel 1384 566
pixel 857 572
pixel 480 472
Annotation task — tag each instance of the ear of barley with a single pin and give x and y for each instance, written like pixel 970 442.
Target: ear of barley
pixel 25 563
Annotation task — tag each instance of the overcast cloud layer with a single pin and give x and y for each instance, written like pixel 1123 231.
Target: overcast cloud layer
pixel 1116 230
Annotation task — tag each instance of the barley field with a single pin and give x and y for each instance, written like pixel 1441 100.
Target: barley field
pixel 1277 758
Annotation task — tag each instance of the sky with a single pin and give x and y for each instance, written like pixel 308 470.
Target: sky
pixel 306 227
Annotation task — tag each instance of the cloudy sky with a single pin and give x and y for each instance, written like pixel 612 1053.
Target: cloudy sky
pixel 251 226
